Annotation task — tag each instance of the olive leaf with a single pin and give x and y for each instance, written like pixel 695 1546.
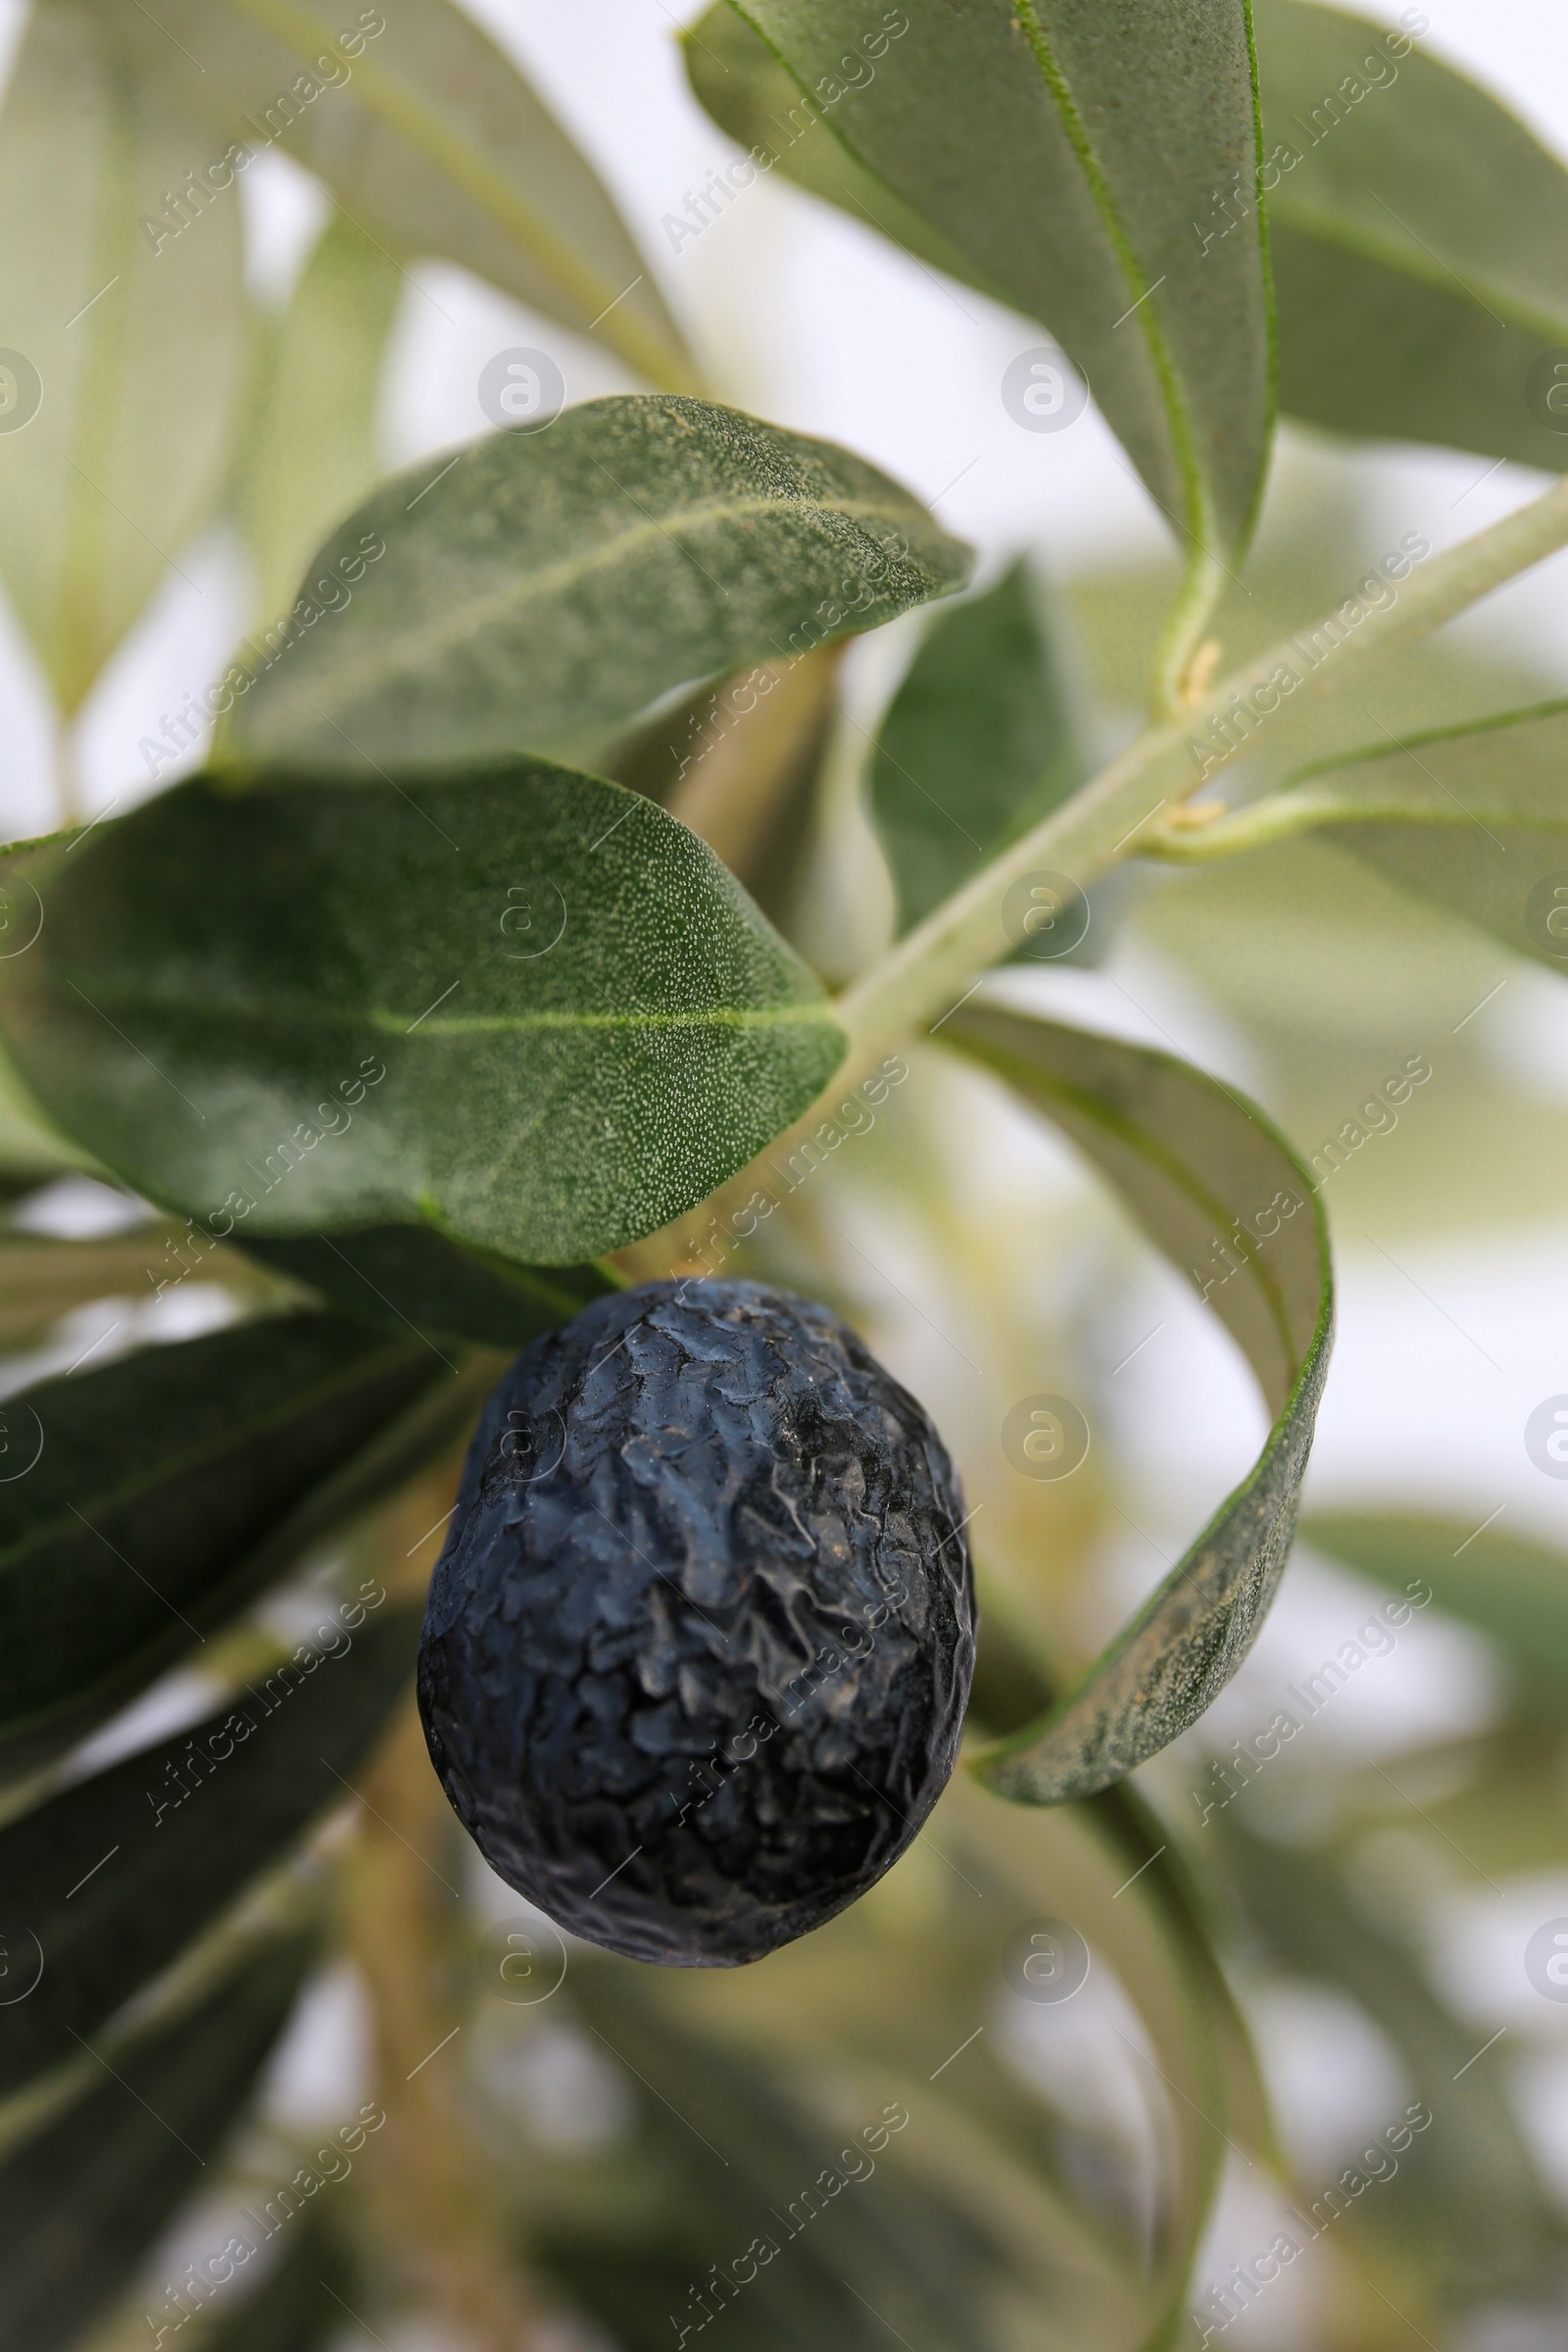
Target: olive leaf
pixel 43 1279
pixel 1061 159
pixel 1418 236
pixel 522 1004
pixel 298 2307
pixel 428 137
pixel 146 1500
pixel 1474 817
pixel 1508 1586
pixel 308 450
pixel 537 591
pixel 82 2201
pixel 977 744
pixel 1226 1199
pixel 1468 2206
pixel 403 1275
pixel 115 1876
pixel 107 464
pixel 911 2251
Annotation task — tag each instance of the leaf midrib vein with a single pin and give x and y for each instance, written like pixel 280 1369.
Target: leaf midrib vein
pixel 382 661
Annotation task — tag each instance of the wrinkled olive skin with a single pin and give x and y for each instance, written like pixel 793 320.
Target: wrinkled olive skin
pixel 697 1650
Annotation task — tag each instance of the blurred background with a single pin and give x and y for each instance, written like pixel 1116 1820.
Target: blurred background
pixel 1374 1893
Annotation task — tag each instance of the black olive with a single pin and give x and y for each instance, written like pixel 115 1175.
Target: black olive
pixel 699 1646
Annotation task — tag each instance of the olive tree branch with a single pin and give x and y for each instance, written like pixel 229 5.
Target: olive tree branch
pixel 1109 819
pixel 1124 811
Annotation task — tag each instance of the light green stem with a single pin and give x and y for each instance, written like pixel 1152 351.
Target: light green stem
pixel 933 967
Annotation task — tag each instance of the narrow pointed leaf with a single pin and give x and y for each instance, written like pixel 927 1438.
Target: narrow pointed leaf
pixel 308 453
pixel 118 1874
pixel 1419 239
pixel 522 1004
pixel 83 2201
pixel 120 462
pixel 298 2307
pixel 159 1484
pixel 410 1275
pixel 1475 818
pixel 977 744
pixel 538 591
pixel 1508 1586
pixel 1225 1198
pixel 1060 159
pixel 1469 2208
pixel 427 136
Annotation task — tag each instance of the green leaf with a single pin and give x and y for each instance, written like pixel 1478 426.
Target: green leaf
pixel 538 591
pixel 120 463
pixel 1419 239
pixel 118 1874
pixel 163 1487
pixel 1061 159
pixel 528 1007
pixel 43 1279
pixel 309 450
pixel 1507 1587
pixel 82 2201
pixel 429 139
pixel 1227 1200
pixel 911 2251
pixel 1467 2209
pixel 977 744
pixel 1475 817
pixel 397 1275
pixel 299 2305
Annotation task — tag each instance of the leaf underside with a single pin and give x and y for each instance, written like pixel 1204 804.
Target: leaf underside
pixel 1225 1198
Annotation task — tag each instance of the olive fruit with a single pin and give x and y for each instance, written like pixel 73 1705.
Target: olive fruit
pixel 698 1648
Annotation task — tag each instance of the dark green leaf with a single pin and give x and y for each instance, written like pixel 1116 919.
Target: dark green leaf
pixel 559 1021
pixel 120 463
pixel 117 1875
pixel 164 1485
pixel 1418 236
pixel 1061 159
pixel 540 590
pixel 300 2303
pixel 908 2251
pixel 1229 1203
pixel 82 2201
pixel 429 138
pixel 977 745
pixel 1507 1587
pixel 403 1275
pixel 1466 2205
pixel 309 450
